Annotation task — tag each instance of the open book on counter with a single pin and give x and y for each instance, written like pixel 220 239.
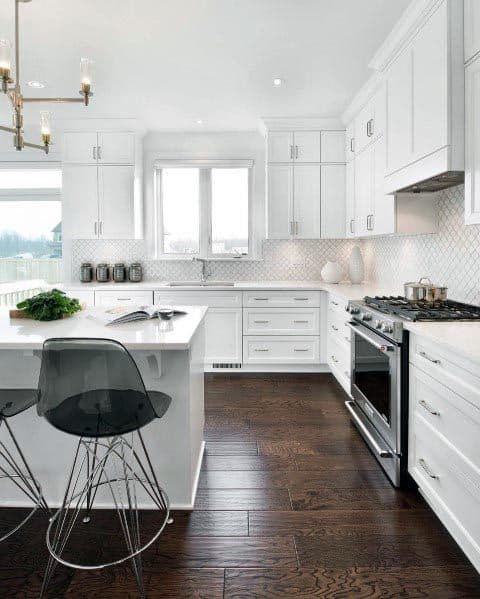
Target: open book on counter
pixel 124 314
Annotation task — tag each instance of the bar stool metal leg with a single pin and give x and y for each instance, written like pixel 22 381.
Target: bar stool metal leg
pixel 115 465
pixel 17 470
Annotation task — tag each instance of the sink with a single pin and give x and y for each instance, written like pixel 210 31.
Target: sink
pixel 201 284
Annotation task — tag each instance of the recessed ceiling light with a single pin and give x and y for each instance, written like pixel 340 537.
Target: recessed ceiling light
pixel 277 82
pixel 199 122
pixel 36 84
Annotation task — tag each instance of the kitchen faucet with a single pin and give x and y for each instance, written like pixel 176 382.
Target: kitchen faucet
pixel 206 272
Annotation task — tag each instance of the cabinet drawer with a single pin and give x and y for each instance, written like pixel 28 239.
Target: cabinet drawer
pixel 212 299
pixel 281 321
pixel 339 305
pixel 451 483
pixel 338 328
pixel 84 296
pixel 281 350
pixel 450 415
pixel 455 372
pixel 281 299
pixel 338 356
pixel 121 298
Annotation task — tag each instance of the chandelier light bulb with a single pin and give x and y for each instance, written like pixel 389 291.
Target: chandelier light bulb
pixel 5 55
pixel 45 126
pixel 86 74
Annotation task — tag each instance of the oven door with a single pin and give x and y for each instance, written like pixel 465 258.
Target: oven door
pixel 375 380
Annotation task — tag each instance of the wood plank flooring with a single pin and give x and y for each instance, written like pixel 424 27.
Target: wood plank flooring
pixel 291 504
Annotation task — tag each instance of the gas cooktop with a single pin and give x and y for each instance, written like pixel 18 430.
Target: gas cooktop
pixel 423 311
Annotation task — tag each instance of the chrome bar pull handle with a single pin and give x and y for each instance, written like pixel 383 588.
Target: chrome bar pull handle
pixel 427 357
pixel 352 144
pixel 425 467
pixel 101 227
pixel 428 408
pixel 94 152
pixel 99 152
pixel 291 152
pixel 296 152
pixel 296 227
pixel 95 228
pixel 352 228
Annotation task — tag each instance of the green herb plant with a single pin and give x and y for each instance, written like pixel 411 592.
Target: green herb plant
pixel 49 305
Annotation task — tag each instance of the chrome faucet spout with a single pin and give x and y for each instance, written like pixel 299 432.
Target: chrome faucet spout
pixel 205 270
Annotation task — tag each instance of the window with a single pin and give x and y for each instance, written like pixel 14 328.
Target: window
pixel 30 225
pixel 204 208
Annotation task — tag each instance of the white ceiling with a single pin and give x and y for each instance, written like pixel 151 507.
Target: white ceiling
pixel 172 62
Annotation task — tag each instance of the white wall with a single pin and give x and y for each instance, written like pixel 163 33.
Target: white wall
pixel 206 145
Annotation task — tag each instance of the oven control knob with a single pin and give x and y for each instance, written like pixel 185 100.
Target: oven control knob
pixel 366 316
pixel 353 309
pixel 378 324
pixel 387 327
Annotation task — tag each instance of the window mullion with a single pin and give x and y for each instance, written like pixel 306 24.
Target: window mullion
pixel 205 212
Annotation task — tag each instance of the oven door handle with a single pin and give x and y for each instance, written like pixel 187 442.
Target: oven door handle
pixel 382 453
pixel 383 347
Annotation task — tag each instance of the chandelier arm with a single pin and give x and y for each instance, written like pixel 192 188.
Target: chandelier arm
pixel 54 100
pixel 9 129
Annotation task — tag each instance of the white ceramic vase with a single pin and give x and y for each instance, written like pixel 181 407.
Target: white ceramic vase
pixel 332 272
pixel 356 267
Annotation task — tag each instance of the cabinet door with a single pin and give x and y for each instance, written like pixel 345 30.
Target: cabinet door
pixel 280 206
pixel 307 146
pixel 400 112
pixel 333 201
pixel 430 86
pixel 280 146
pixel 472 28
pixel 116 205
pixel 472 143
pixel 223 335
pixel 383 220
pixel 362 126
pixel 350 142
pixel 350 199
pixel 306 201
pixel 80 201
pixel 363 193
pixel 80 147
pixel 333 146
pixel 116 147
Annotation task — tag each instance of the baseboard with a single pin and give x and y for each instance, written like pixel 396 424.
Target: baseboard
pixel 284 368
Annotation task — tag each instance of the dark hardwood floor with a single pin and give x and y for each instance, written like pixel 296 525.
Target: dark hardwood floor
pixel 290 504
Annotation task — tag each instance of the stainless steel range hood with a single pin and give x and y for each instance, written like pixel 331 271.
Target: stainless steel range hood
pixel 436 183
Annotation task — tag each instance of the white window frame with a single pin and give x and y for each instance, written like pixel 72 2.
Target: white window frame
pixel 205 208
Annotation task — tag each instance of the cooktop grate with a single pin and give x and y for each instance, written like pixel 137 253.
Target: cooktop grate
pixel 418 311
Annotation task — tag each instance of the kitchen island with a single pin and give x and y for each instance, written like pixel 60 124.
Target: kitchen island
pixel 170 357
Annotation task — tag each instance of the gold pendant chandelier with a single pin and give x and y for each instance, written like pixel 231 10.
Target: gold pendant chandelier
pixel 11 88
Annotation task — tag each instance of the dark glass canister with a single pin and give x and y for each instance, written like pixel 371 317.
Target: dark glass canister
pixel 86 272
pixel 103 273
pixel 135 272
pixel 119 272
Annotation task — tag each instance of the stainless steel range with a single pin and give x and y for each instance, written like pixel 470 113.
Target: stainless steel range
pixel 379 372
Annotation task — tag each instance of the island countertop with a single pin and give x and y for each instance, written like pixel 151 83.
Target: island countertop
pixel 155 334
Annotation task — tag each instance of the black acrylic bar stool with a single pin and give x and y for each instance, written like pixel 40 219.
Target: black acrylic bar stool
pixel 92 388
pixel 13 464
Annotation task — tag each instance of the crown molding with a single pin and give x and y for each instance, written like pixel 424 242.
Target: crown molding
pixel 404 30
pixel 313 123
pixel 101 124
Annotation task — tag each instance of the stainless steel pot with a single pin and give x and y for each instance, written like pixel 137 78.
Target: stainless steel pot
pixel 424 291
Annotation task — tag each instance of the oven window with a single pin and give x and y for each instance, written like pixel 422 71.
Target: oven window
pixel 372 376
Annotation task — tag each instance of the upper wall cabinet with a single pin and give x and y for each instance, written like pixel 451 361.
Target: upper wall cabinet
pixel 306 184
pixel 425 99
pixel 472 143
pixel 290 146
pixel 370 121
pixel 103 147
pixel 472 29
pixel 350 142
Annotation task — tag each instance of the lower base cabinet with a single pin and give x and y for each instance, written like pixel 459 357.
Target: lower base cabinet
pixel 223 336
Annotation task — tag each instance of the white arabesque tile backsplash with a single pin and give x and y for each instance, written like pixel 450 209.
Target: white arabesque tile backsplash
pixel 450 257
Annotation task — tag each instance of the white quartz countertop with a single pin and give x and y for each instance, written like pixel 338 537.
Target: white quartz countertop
pixel 155 334
pixel 347 290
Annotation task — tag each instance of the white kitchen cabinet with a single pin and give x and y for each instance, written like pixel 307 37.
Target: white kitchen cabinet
pixel 116 205
pixel 472 29
pixel 116 147
pixel 280 146
pixel 333 201
pixel 281 299
pixel 86 297
pixel 280 201
pixel 80 201
pixel 350 142
pixel 333 147
pixel 472 143
pixel 306 146
pixel 98 201
pixel 425 99
pixel 306 201
pixel 370 121
pixel 281 321
pixel 99 147
pixel 363 192
pixel 80 147
pixel 281 350
pixel 223 342
pixel 123 297
pixel 350 199
pixel 294 201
